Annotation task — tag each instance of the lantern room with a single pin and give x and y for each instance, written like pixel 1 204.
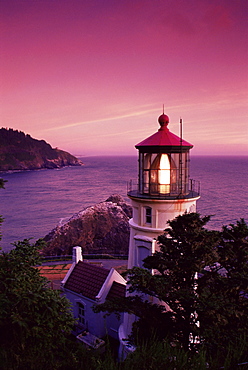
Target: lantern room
pixel 164 166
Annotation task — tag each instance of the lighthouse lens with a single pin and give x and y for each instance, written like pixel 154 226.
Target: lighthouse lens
pixel 164 174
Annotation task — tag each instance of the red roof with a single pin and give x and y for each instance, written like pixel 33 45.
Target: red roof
pixel 163 137
pixel 86 279
pixel 117 290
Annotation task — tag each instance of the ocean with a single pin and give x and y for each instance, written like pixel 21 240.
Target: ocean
pixel 34 202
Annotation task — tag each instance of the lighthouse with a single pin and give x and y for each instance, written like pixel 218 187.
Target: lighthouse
pixel 162 192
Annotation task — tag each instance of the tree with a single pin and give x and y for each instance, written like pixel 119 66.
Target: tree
pixel 186 248
pixel 34 319
pixel 2 182
pixel 202 275
pixel 223 291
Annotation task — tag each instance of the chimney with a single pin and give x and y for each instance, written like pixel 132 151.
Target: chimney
pixel 77 254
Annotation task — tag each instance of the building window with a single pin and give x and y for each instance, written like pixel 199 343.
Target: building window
pixel 81 314
pixel 148 215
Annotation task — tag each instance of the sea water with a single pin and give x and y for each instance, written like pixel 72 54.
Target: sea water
pixel 34 202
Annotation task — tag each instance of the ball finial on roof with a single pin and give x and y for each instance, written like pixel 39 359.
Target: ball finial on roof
pixel 163 120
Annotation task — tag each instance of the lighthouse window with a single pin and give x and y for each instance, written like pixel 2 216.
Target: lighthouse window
pixel 148 215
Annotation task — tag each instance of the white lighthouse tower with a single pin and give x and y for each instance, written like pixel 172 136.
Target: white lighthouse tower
pixel 163 191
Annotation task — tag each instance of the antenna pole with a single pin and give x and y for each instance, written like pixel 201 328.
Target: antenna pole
pixel 180 158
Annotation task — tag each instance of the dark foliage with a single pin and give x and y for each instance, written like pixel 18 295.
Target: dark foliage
pixel 34 319
pixel 202 276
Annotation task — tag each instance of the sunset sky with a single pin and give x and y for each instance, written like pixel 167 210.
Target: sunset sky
pixel 91 76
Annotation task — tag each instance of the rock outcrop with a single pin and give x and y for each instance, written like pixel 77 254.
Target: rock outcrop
pixel 100 229
pixel 19 151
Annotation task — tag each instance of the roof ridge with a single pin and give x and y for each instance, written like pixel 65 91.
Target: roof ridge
pixel 94 265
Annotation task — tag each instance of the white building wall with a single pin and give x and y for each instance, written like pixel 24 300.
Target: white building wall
pixel 162 210
pixel 94 323
pixel 145 234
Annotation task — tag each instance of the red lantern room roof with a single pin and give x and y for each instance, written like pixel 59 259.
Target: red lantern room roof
pixel 164 139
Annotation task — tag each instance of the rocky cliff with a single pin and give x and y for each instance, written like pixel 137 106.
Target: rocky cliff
pixel 102 228
pixel 19 151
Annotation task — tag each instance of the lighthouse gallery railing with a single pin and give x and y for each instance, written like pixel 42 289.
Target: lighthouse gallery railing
pixel 157 191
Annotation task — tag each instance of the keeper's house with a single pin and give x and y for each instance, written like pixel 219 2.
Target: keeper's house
pixel 86 284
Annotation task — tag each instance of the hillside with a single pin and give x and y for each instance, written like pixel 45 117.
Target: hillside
pixel 19 151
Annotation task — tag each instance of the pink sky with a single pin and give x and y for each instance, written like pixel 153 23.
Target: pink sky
pixel 91 76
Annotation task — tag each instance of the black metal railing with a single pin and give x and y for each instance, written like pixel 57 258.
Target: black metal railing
pixel 163 191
